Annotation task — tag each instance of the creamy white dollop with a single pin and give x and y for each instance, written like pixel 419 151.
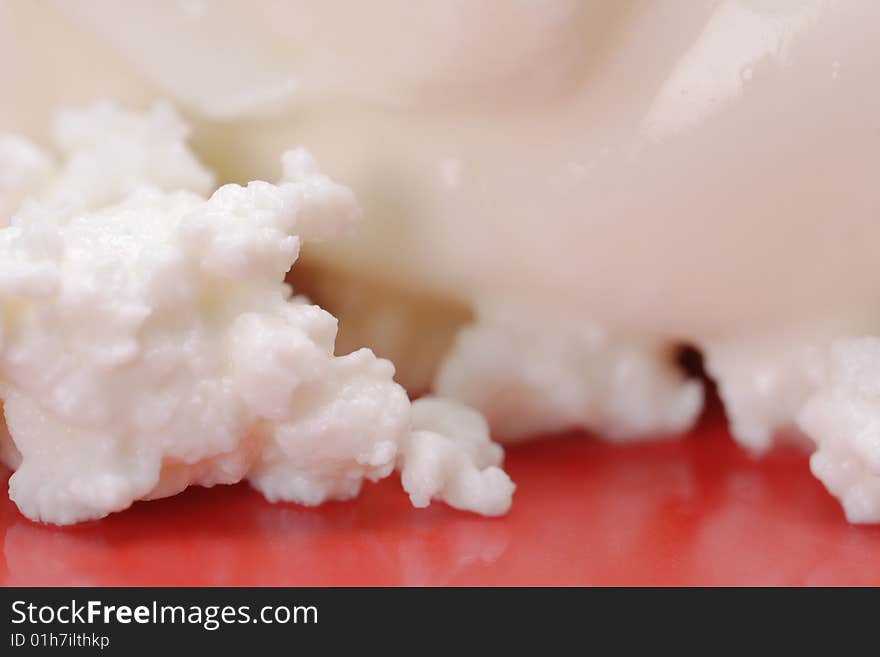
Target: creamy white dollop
pixel 148 341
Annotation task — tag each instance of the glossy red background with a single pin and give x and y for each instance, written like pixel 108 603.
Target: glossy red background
pixel 692 511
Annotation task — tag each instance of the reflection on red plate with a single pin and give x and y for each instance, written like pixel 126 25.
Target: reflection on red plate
pixel 693 511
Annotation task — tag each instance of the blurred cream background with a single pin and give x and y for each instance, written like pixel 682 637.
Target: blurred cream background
pixel 698 166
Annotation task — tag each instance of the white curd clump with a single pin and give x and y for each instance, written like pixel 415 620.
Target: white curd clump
pixel 819 386
pixel 531 371
pixel 148 342
pixel 843 418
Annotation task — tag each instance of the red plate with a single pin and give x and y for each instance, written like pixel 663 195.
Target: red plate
pixel 691 511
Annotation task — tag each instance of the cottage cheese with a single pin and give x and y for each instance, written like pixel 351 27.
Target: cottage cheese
pixel 619 177
pixel 148 342
pixel 537 372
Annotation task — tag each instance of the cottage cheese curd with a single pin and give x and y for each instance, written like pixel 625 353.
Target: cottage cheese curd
pixel 148 341
pixel 564 191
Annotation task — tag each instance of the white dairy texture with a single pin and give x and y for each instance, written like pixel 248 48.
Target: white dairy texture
pixel 599 180
pixel 148 341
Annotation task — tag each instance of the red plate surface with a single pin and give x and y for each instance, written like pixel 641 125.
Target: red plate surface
pixel 692 511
